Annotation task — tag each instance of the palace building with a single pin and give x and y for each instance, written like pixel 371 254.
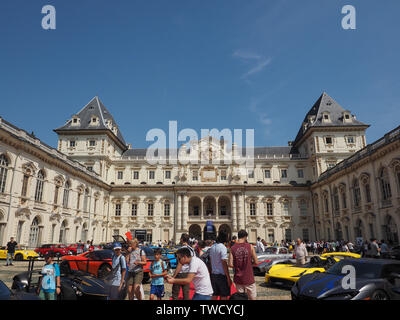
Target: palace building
pixel 326 184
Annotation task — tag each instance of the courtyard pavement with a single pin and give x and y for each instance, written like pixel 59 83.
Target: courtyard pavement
pixel 263 292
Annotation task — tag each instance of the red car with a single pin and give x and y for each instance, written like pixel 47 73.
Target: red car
pixel 57 249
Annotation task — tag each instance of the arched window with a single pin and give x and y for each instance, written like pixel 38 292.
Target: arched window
pixel 66 194
pixel 63 231
pixel 39 186
pixel 336 199
pixel 3 172
pixel 385 185
pixel 356 194
pixel 303 207
pixel 34 233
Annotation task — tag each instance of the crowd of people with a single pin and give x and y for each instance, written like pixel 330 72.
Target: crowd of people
pixel 205 264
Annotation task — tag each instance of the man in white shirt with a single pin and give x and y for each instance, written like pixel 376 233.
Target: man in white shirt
pixel 198 273
pixel 300 252
pixel 259 246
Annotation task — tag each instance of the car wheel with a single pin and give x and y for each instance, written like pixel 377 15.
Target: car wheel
pixel 379 295
pixel 103 271
pixel 19 257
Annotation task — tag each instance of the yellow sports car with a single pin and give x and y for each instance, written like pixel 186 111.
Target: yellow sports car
pixel 288 274
pixel 19 255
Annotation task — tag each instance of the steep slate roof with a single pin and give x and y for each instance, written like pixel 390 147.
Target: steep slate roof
pixel 94 108
pixel 326 103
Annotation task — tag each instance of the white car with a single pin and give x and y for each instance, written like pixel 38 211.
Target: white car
pixel 273 253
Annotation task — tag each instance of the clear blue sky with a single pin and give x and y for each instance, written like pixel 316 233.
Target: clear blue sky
pixel 257 64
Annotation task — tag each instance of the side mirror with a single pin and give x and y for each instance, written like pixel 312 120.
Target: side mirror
pixel 394 275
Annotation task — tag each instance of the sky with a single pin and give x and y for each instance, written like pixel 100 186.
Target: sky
pixel 254 64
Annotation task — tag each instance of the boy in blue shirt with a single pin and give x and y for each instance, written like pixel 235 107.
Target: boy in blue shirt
pixel 158 270
pixel 50 284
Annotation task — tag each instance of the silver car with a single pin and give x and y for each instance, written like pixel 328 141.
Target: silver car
pixel 273 253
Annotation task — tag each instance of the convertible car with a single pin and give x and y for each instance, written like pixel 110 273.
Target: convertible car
pixel 261 267
pixel 287 275
pixel 19 255
pixel 376 279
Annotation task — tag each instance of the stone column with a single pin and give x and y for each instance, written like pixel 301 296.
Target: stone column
pixel 185 214
pixel 179 214
pixel 234 213
pixel 202 208
pixel 241 212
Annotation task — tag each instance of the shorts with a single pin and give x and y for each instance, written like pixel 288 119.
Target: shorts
pixel 250 289
pixel 157 290
pixel 220 286
pixel 135 278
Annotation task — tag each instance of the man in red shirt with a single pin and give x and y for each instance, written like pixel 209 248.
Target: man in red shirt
pixel 242 257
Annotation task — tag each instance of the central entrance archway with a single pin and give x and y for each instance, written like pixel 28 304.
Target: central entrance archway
pixel 195 231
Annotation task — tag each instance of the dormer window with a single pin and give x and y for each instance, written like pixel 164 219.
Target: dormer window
pixel 347 116
pixel 350 140
pixel 92 143
pixel 75 121
pixel 94 121
pixel 326 117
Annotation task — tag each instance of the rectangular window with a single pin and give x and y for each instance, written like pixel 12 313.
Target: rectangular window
pixel 286 208
pixel 195 175
pixel 223 211
pixel 251 174
pixel 56 194
pixel 271 236
pixel 305 235
pixel 270 210
pixel 300 173
pixel 92 143
pixel 24 186
pixel 167 208
pixel 223 174
pixel 252 209
pixel 196 210
pixel 135 175
pixel 134 209
pixel 150 209
pixel 120 175
pixel 303 208
pixel 267 174
pixel 328 140
pixel 167 174
pixel 72 143
pixel 350 139
pixel 283 173
pixel 151 174
pixel 117 209
pixel 288 234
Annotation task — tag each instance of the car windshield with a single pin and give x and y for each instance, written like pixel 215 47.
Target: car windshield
pixel 363 269
pixel 270 250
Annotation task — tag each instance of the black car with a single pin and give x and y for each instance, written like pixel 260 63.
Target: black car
pixel 375 279
pixel 8 294
pixel 75 285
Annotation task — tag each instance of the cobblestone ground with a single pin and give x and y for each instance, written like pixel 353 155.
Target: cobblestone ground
pixel 263 292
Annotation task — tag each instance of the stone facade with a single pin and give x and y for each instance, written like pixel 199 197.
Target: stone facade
pixel 94 185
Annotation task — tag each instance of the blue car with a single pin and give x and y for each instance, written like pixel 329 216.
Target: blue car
pixel 169 255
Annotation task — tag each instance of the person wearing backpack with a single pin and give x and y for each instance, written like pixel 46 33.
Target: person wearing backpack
pixel 136 262
pixel 220 279
pixel 117 276
pixel 158 270
pixel 50 283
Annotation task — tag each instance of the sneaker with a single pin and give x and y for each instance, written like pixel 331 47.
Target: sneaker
pixel 6 265
pixel 11 264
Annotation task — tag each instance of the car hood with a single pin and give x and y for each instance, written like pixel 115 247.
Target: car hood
pixel 323 285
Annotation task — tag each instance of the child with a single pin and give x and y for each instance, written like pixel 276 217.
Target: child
pixel 50 283
pixel 158 270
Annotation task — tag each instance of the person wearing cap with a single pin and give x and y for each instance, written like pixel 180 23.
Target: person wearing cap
pixel 117 273
pixel 50 283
